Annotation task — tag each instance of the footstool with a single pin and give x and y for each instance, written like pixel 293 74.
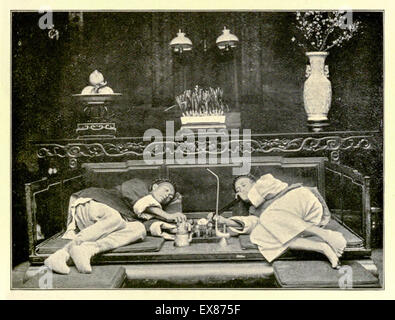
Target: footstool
pixel 102 277
pixel 320 274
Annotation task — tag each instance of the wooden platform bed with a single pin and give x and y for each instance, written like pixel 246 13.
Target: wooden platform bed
pixel 155 259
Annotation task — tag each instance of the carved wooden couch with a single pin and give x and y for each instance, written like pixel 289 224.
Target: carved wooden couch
pixel 346 191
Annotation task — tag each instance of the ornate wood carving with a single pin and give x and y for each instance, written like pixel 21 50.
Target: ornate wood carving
pixel 331 144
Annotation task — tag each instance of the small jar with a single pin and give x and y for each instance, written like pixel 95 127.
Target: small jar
pixel 210 229
pixel 197 229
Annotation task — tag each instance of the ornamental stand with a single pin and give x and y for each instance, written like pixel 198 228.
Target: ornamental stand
pixel 96 107
pixel 97 99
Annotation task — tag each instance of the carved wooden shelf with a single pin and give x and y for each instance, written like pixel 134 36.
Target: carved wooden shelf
pixel 328 143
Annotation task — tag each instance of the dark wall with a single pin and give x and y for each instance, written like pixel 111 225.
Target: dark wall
pixel 36 64
pixel 264 75
pixel 262 79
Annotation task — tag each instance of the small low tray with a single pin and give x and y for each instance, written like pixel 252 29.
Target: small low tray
pixel 205 240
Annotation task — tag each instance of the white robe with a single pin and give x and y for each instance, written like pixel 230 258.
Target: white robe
pixel 284 219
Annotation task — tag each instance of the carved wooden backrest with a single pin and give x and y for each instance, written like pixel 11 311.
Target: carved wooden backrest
pixel 198 186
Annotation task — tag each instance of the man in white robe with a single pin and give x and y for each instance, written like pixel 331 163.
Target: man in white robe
pixel 283 215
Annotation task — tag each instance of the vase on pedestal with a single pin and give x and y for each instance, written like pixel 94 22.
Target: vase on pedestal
pixel 317 92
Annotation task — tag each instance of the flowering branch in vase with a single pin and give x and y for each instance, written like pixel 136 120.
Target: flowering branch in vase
pixel 323 30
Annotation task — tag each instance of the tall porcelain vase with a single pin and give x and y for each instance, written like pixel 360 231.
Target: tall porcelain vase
pixel 317 92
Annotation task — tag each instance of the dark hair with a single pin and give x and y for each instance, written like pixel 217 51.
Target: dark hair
pixel 163 180
pixel 248 176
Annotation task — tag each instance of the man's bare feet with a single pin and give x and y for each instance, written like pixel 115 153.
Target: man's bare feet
pixel 330 254
pixel 336 241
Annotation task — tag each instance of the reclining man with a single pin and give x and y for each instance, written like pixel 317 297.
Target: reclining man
pixel 108 219
pixel 284 216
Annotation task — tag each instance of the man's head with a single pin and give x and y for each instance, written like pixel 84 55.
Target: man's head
pixel 242 185
pixel 163 190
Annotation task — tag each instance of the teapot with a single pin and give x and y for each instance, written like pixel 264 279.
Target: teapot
pixel 183 237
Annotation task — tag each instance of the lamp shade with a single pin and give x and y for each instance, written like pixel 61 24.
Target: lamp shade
pixel 226 40
pixel 181 43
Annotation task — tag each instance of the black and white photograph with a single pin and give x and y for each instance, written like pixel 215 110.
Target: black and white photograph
pixel 197 149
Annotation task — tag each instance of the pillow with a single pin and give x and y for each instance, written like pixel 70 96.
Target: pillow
pixel 326 216
pixel 175 205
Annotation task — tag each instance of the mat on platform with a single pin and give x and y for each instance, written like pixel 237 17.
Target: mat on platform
pixel 353 241
pixel 320 274
pixel 149 244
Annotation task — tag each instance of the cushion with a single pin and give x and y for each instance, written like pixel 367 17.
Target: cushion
pixel 353 240
pixel 175 204
pixel 149 244
pixel 326 215
pixel 102 277
pixel 320 274
pixel 246 243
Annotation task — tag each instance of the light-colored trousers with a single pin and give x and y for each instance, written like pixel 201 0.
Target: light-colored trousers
pixel 103 224
pixel 285 219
